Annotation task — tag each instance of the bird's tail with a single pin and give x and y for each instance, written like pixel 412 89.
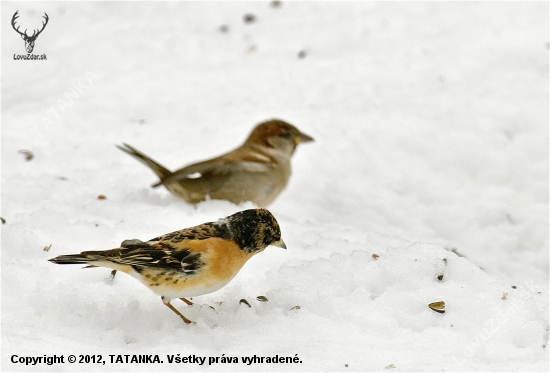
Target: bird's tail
pixel 157 168
pixel 92 259
pixel 83 258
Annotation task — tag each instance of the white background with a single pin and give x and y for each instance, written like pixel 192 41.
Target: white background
pixel 431 128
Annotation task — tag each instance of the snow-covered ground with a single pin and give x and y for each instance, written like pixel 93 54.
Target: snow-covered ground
pixel 431 125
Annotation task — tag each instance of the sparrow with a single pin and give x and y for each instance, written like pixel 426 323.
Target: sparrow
pixel 256 171
pixel 192 261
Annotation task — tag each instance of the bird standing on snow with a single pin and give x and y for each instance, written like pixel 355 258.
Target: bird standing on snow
pixel 256 171
pixel 192 261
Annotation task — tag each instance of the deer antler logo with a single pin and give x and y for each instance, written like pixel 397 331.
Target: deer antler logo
pixel 29 40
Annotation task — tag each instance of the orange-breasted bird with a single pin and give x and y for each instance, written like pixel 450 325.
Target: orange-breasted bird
pixel 256 171
pixel 192 261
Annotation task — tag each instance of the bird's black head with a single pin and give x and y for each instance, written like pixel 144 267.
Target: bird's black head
pixel 254 230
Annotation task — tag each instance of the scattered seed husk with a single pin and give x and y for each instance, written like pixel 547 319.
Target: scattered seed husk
pixel 249 18
pixel 514 287
pixel 375 256
pixel 391 366
pixel 101 197
pixel 440 277
pixel 262 298
pixel 437 306
pixel 504 296
pixel 295 308
pixel 28 154
pixel 47 248
pixel 245 302
pixel 3 220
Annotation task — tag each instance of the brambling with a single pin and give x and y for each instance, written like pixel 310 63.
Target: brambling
pixel 256 171
pixel 192 261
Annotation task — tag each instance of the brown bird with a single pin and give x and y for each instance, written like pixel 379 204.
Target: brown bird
pixel 256 171
pixel 192 261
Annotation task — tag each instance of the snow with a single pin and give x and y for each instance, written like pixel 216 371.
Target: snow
pixel 431 128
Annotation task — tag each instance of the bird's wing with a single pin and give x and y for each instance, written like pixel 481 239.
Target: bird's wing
pixel 160 255
pixel 237 160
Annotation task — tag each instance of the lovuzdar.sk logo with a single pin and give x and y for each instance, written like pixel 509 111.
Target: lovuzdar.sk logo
pixel 29 40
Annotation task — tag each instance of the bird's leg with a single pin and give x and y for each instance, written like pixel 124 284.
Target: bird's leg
pixel 185 319
pixel 166 302
pixel 187 301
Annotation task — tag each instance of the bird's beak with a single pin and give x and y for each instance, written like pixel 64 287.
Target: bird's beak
pixel 302 137
pixel 280 244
